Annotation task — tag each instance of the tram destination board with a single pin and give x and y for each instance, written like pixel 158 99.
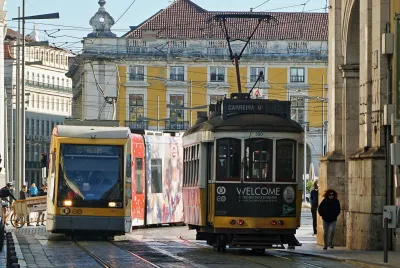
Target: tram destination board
pixel 280 108
pixel 255 200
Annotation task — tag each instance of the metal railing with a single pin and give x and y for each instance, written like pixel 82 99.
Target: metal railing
pixel 48 86
pixel 137 124
pixel 175 125
pixel 297 78
pixel 177 77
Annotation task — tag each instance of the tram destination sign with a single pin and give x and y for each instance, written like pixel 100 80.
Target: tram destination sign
pixel 280 108
pixel 255 200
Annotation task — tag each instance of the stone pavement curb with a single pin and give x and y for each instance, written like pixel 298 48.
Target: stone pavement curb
pixel 355 262
pixel 20 256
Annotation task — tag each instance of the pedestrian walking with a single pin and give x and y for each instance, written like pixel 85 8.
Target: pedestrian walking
pixel 314 205
pixel 23 196
pixel 41 192
pixel 329 210
pixel 33 190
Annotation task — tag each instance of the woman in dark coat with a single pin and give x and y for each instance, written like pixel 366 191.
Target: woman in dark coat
pixel 329 210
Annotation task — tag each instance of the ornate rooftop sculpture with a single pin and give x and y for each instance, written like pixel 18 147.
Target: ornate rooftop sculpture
pixel 102 23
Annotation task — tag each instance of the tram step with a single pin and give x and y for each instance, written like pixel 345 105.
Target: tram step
pixel 253 241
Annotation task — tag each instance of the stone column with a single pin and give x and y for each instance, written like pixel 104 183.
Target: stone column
pixel 3 15
pixel 332 165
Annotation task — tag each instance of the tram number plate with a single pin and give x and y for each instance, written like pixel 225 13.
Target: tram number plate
pixel 259 134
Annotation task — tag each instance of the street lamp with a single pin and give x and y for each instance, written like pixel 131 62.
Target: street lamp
pixel 20 109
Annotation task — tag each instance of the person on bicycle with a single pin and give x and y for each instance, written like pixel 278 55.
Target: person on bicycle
pixel 4 194
pixel 22 196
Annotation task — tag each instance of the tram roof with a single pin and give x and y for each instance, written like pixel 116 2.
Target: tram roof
pixel 91 132
pixel 247 122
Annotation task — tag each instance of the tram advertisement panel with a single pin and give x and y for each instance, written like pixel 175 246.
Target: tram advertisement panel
pixel 255 200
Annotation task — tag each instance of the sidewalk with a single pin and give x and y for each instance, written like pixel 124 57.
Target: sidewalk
pixel 366 259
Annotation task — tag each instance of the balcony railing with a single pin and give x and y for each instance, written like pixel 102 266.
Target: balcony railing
pixel 137 125
pixel 48 86
pixel 217 77
pixel 297 78
pixel 136 77
pixel 177 77
pixel 175 125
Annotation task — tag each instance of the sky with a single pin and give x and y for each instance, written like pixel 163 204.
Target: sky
pixel 73 25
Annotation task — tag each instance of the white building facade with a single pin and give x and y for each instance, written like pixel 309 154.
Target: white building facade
pixel 48 97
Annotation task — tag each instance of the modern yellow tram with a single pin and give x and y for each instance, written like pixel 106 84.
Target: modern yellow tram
pixel 89 181
pixel 242 174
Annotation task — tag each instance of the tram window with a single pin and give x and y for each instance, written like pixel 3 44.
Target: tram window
pixel 51 177
pixel 285 161
pixel 156 175
pixel 258 160
pixel 228 161
pixel 139 175
pixel 129 168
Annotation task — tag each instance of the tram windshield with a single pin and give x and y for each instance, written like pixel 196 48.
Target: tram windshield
pixel 90 175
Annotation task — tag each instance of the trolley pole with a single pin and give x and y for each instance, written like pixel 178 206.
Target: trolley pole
pixel 18 110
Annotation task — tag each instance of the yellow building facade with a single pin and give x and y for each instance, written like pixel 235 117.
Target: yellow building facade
pixel 146 98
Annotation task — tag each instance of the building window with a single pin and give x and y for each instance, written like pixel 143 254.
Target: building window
pixel 177 73
pixel 285 157
pixel 43 79
pixel 258 160
pixel 255 72
pixel 136 73
pixel 37 127
pixel 27 75
pixel 43 129
pixel 176 114
pixel 42 55
pixel 63 82
pixel 296 75
pixel 61 60
pixel 38 77
pixel 215 98
pixel 33 76
pixel 48 128
pixel 217 74
pixel 228 159
pixel 48 79
pixel 27 131
pixel 53 80
pixel 52 103
pixel 58 81
pixel 47 56
pixel 57 58
pixel 136 107
pixel 156 176
pixel 298 108
pixel 37 55
pixel 51 57
pixel 67 83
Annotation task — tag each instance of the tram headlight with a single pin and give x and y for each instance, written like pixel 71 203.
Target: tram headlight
pixel 67 203
pixel 280 222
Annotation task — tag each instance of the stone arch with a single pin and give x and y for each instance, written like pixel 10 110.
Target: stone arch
pixel 351 32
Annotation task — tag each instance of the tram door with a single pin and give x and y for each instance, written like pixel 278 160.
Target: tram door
pixel 209 167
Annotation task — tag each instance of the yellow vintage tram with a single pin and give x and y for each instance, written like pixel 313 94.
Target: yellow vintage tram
pixel 89 183
pixel 242 173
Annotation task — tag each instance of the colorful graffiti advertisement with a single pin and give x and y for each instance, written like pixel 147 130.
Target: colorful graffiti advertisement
pixel 164 174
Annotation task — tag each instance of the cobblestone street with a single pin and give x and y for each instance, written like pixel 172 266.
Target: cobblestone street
pixel 154 247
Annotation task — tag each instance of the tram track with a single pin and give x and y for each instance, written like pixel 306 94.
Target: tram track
pixel 254 261
pixel 107 263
